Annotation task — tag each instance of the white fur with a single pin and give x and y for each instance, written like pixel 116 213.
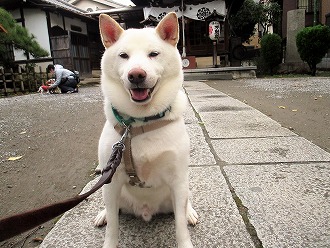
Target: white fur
pixel 42 91
pixel 161 156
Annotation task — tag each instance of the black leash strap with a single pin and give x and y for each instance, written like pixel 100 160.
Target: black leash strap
pixel 16 224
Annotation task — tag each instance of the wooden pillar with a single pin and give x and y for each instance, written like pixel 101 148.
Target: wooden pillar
pixel 13 79
pixel 4 82
pixel 20 78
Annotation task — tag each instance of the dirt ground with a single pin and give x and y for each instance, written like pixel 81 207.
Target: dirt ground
pixel 57 137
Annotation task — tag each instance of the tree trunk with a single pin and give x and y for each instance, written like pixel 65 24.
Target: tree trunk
pixel 313 70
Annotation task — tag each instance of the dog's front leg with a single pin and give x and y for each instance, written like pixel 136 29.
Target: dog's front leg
pixel 180 195
pixel 111 195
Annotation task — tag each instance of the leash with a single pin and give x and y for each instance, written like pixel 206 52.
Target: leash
pixel 16 224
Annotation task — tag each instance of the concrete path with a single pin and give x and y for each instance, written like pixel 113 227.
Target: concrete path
pixel 253 182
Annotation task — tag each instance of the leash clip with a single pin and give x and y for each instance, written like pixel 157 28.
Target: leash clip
pixel 120 143
pixel 125 134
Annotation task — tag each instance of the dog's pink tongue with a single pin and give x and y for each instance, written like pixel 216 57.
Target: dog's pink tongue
pixel 140 94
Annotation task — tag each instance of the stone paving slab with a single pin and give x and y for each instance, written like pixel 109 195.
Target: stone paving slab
pixel 189 116
pixel 213 103
pixel 268 150
pixel 288 204
pixel 202 95
pixel 220 224
pixel 196 85
pixel 200 153
pixel 225 117
pixel 207 100
pixel 241 124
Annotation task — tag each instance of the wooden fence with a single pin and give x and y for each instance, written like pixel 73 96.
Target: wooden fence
pixel 21 81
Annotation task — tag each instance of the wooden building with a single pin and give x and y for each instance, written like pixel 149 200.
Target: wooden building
pixel 69 35
pixel 194 22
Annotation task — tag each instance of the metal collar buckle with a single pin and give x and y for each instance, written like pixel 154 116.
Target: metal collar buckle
pixel 136 182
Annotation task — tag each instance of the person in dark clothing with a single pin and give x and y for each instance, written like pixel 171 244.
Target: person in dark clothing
pixel 65 79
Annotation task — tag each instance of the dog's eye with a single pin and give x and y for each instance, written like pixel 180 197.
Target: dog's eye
pixel 123 55
pixel 153 54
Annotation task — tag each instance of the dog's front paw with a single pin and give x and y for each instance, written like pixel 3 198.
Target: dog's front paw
pixel 110 241
pixel 100 219
pixel 192 215
pixel 110 245
pixel 186 244
pixel 106 246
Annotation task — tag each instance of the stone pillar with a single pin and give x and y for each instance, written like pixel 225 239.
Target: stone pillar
pixel 295 22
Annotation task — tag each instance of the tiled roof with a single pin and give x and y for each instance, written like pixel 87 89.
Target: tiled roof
pixel 65 5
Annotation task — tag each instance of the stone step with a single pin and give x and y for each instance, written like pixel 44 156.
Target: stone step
pixel 207 76
pixel 220 73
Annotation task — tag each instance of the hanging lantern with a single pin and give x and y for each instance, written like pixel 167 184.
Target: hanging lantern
pixel 214 30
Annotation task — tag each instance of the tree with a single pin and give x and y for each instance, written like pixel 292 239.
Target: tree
pixel 17 36
pixel 244 21
pixel 271 52
pixel 251 13
pixel 313 43
pixel 269 16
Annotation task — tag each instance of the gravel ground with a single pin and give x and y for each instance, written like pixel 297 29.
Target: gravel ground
pixel 283 87
pixel 57 137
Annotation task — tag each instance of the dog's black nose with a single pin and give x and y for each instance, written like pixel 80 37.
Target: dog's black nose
pixel 137 76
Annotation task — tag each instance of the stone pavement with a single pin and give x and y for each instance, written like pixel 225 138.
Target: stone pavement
pixel 253 182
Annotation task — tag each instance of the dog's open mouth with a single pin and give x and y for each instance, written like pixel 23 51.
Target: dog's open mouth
pixel 141 94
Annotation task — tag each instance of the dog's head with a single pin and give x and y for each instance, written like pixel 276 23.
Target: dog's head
pixel 141 68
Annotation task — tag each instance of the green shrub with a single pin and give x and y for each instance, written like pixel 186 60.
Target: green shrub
pixel 270 52
pixel 313 43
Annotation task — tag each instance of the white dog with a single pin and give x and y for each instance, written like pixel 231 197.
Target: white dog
pixel 142 87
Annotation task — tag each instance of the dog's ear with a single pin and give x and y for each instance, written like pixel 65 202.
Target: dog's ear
pixel 168 28
pixel 110 30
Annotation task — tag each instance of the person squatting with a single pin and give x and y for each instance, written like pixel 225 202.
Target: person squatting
pixel 65 79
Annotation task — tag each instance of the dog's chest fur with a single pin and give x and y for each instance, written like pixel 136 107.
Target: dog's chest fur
pixel 151 162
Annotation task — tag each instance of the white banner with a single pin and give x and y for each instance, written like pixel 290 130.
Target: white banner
pixel 196 12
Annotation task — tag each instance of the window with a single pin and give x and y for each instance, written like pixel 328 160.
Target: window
pixel 9 54
pixel 308 5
